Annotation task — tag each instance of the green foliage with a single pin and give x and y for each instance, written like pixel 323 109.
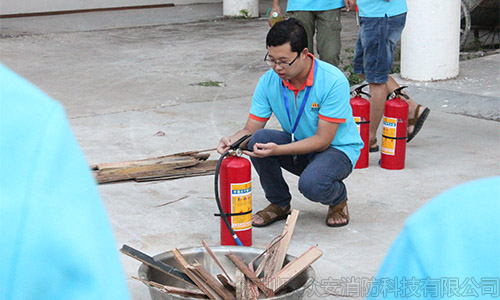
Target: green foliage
pixel 348 67
pixel 244 14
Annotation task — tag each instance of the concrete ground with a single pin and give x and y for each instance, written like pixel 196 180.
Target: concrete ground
pixel 125 76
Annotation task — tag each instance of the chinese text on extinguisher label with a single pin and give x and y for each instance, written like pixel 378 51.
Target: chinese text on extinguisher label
pixel 389 130
pixel 241 199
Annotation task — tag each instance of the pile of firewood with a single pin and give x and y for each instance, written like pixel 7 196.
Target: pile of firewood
pixel 173 166
pixel 266 281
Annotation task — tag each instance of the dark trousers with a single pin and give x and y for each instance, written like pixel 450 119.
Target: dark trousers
pixel 321 173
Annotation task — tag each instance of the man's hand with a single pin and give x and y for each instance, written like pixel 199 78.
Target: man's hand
pixel 350 4
pixel 224 144
pixel 263 150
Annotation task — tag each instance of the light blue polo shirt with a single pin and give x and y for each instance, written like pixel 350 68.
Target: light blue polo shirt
pixel 328 100
pixel 313 5
pixel 381 8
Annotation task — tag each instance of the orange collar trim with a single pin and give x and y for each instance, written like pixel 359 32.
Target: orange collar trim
pixel 309 80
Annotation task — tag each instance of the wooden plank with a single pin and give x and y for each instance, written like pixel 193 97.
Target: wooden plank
pixel 270 262
pixel 240 264
pixel 254 290
pixel 230 285
pixel 250 294
pixel 152 167
pixel 294 268
pixel 104 167
pixel 201 168
pixel 199 155
pixel 285 242
pixel 131 172
pixel 212 255
pixel 174 290
pixel 212 281
pixel 268 250
pixel 156 264
pixel 240 285
pixel 180 173
pixel 199 282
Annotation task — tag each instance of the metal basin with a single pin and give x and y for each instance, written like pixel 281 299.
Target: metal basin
pixel 293 290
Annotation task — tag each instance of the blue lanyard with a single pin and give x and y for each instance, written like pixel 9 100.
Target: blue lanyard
pixel 302 106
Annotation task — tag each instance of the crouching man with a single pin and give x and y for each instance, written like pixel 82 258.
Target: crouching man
pixel 319 141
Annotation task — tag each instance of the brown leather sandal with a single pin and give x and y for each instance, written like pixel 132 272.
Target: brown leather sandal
pixel 417 121
pixel 281 213
pixel 336 211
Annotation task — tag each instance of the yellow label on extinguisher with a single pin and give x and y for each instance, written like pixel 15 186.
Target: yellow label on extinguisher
pixel 389 130
pixel 358 120
pixel 241 202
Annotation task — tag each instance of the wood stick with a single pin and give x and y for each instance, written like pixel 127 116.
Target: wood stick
pixel 231 286
pixel 243 268
pixel 285 242
pixel 212 282
pixel 240 285
pixel 270 263
pixel 156 264
pixel 253 287
pixel 174 290
pixel 264 261
pixel 199 282
pixel 294 268
pixel 212 255
pixel 251 295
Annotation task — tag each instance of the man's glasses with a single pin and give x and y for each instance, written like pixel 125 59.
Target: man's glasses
pixel 282 64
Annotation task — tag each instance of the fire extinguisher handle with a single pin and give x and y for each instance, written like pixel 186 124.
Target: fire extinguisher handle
pixel 398 92
pixel 359 91
pixel 237 144
pixel 365 93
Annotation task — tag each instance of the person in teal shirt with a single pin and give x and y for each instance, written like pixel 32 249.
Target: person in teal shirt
pixel 381 23
pixel 56 241
pixel 320 18
pixel 319 140
pixel 448 249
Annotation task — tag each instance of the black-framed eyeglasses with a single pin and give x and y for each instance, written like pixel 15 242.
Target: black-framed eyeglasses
pixel 282 64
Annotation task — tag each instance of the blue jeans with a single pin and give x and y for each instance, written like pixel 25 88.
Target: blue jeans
pixel 321 173
pixel 375 46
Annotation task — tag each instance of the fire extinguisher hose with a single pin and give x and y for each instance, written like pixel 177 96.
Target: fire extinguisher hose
pixel 223 215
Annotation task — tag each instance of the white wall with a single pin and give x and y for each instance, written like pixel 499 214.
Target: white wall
pixel 9 7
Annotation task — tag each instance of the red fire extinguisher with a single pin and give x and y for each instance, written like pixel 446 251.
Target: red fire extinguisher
pixel 394 130
pixel 361 113
pixel 235 202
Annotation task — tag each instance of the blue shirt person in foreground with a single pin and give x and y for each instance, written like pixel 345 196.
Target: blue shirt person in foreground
pixel 319 141
pixel 381 24
pixel 448 249
pixel 56 241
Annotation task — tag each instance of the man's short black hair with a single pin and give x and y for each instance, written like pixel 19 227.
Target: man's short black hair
pixel 290 30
